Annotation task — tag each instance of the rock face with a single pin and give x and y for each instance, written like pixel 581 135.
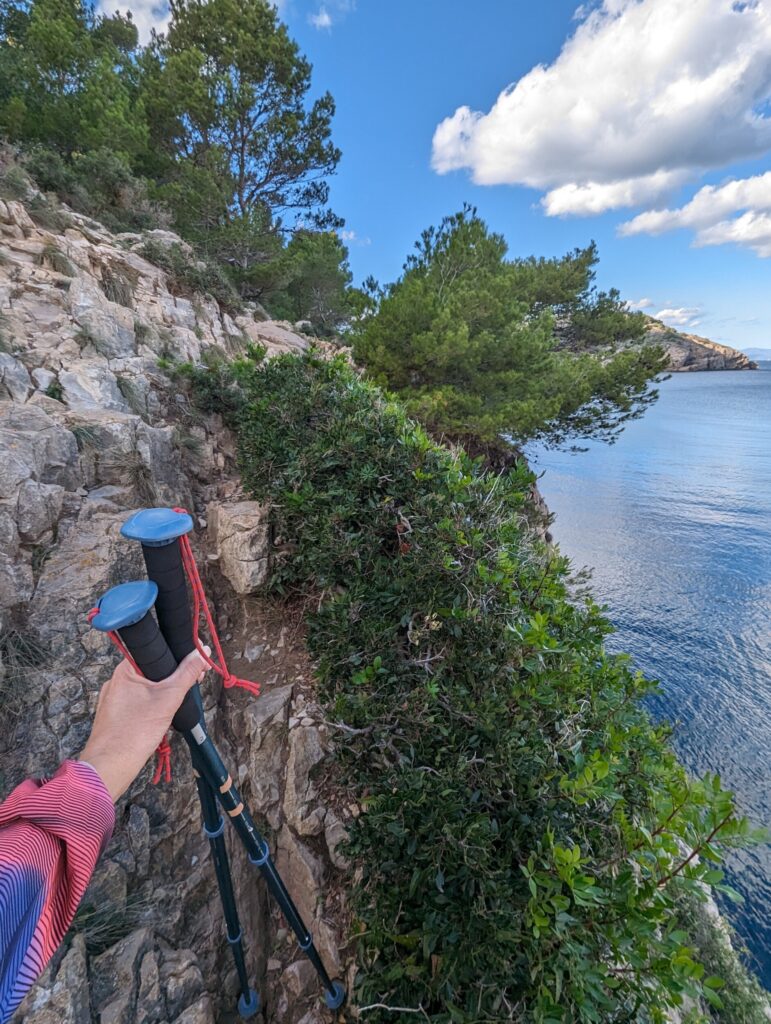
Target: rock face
pixel 689 352
pixel 91 428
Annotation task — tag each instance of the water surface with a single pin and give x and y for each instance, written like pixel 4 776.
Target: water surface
pixel 675 521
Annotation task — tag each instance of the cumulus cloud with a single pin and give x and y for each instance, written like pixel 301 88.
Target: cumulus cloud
pixel 682 317
pixel 641 304
pixel 645 95
pixel 709 214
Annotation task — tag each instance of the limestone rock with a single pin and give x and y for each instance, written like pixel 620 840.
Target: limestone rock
pixel 42 379
pixel 38 509
pixel 106 326
pixel 77 573
pixel 65 1000
pixel 239 533
pixel 117 971
pixel 200 1012
pixel 300 806
pixel 689 352
pixel 302 871
pixel 150 1005
pixel 335 834
pixel 107 888
pixel 16 582
pixel 91 385
pixel 181 980
pixel 14 379
pixel 35 447
pixel 266 728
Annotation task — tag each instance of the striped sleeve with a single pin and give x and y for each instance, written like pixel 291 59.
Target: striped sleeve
pixel 51 835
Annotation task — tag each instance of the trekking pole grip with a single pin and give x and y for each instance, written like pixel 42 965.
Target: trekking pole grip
pixel 158 530
pixel 126 610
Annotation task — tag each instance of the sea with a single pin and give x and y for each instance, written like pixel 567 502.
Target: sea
pixel 674 521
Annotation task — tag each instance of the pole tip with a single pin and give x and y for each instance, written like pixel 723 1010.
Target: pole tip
pixel 335 1000
pixel 248 1004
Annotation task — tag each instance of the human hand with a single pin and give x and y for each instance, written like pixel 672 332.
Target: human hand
pixel 132 717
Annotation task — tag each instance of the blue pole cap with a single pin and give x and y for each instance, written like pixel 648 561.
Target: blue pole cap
pixel 335 999
pixel 157 526
pixel 248 1004
pixel 124 605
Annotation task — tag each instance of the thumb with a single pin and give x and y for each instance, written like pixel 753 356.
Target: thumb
pixel 189 670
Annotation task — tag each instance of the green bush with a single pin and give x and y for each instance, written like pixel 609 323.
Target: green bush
pixel 526 830
pixel 189 275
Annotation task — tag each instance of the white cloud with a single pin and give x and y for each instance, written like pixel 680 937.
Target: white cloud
pixel 682 317
pixel 322 19
pixel 151 14
pixel 645 95
pixel 351 238
pixel 641 304
pixel 708 214
pixel 146 15
pixel 330 13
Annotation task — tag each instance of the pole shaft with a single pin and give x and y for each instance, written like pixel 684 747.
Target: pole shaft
pixel 211 766
pixel 214 828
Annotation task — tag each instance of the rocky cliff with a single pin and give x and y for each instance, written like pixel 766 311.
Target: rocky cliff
pixel 92 428
pixel 691 352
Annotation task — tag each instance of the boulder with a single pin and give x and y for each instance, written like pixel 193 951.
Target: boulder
pixel 14 379
pixel 240 536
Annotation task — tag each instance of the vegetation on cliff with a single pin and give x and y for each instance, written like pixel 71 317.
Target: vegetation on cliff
pixel 528 836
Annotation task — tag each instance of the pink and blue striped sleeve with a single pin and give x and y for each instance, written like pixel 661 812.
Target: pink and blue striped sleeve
pixel 51 835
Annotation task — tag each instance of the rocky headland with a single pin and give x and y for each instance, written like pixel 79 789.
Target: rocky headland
pixel 690 352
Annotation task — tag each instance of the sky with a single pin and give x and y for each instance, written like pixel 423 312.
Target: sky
pixel 642 124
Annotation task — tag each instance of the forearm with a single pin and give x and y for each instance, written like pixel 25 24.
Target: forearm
pixel 51 835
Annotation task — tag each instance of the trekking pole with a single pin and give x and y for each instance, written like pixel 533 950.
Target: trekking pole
pixel 125 613
pixel 158 530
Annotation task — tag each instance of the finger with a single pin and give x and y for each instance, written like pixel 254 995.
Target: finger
pixel 189 670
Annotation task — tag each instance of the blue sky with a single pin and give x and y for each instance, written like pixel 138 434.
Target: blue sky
pixel 637 106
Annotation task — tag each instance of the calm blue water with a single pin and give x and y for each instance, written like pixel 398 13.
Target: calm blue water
pixel 675 521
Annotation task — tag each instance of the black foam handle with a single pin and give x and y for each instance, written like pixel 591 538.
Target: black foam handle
pixel 172 605
pixel 154 659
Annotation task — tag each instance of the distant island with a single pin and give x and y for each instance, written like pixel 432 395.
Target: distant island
pixel 690 352
pixel 761 354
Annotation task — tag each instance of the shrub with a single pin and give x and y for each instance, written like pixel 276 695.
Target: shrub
pixel 188 275
pixel 14 183
pixel 46 214
pixel 117 287
pixel 53 257
pixel 526 830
